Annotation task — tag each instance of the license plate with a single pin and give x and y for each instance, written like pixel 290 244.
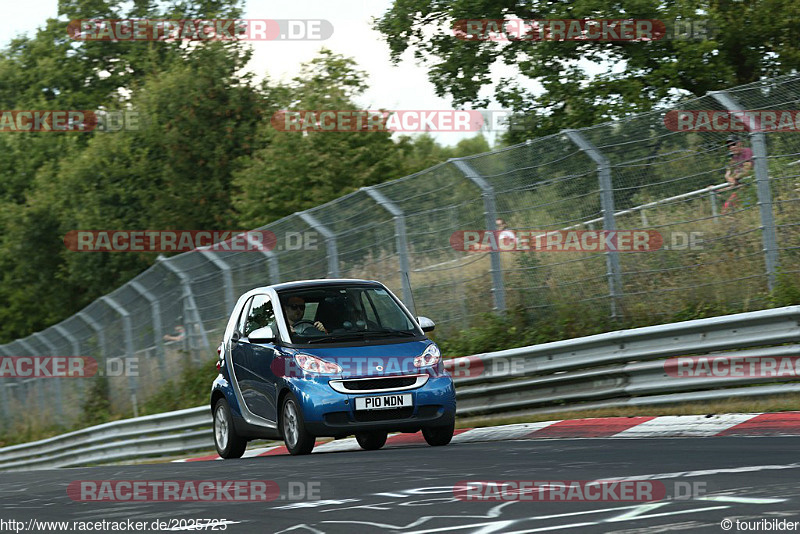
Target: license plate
pixel 383 402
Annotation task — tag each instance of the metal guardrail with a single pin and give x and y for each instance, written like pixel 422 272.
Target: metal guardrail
pixel 622 368
pixel 166 433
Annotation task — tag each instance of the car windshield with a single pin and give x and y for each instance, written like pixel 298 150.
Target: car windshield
pixel 340 314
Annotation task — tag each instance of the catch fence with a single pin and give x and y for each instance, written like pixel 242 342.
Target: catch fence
pixel 632 174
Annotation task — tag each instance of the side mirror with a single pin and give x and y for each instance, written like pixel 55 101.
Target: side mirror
pixel 262 335
pixel 426 324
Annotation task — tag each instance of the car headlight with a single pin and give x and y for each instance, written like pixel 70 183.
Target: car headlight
pixel 430 357
pixel 316 365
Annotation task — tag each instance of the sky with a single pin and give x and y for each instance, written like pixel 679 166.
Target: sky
pixel 402 87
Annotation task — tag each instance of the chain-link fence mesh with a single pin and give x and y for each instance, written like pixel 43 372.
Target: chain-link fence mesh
pixel 724 247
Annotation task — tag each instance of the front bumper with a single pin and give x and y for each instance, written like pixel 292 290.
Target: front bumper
pixel 330 413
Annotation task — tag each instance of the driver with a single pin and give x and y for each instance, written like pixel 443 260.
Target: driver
pixel 294 309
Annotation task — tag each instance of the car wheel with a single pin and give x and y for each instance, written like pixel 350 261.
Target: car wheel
pixel 295 435
pixel 436 436
pixel 371 441
pixel 228 443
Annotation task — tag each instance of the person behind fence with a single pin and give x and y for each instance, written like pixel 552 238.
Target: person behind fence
pixel 740 165
pixel 178 335
pixel 505 237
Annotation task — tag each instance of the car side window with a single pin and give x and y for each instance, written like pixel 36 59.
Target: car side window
pixel 261 314
pixel 240 325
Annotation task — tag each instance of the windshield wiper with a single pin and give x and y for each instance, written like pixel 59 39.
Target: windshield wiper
pixel 331 338
pixel 361 334
pixel 391 332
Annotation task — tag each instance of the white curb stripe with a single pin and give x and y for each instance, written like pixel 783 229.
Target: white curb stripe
pixel 685 426
pixel 499 433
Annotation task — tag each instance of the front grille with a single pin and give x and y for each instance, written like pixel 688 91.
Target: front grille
pixel 366 416
pixel 380 383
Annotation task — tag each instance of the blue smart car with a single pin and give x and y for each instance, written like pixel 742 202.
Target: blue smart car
pixel 316 358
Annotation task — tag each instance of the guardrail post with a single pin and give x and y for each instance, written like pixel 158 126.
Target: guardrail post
pixel 401 242
pixel 129 352
pixel 190 311
pixel 37 384
pixel 490 212
pixel 57 381
pixel 227 278
pixel 758 141
pixel 330 242
pixel 272 259
pixel 614 270
pixel 158 331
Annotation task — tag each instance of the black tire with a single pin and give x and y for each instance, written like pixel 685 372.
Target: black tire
pixel 228 443
pixel 293 427
pixel 371 441
pixel 438 436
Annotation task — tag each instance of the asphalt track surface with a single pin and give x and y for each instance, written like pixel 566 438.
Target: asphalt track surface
pixel 410 489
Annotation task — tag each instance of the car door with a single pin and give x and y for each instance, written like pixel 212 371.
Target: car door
pixel 252 362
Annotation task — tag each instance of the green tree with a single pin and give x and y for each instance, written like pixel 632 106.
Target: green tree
pixel 749 40
pixel 197 115
pixel 294 171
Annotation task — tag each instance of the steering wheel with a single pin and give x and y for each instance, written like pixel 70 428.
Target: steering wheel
pixel 306 324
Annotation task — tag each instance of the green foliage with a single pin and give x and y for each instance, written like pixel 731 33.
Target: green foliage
pixel 188 390
pixel 746 41
pixel 787 290
pixel 96 406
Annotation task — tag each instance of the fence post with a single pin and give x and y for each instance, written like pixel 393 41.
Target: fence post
pixel 101 334
pixel 36 381
pixel 614 270
pixel 272 259
pixel 76 347
pixel 18 385
pixel 714 210
pixel 401 242
pixel 330 242
pixel 129 352
pixel 102 365
pixel 158 331
pixel 76 351
pixel 190 311
pixel 227 278
pixel 758 141
pixel 490 212
pixel 7 411
pixel 57 381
